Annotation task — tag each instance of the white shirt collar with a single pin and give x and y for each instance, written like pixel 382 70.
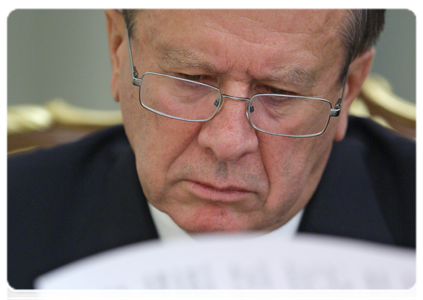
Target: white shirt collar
pixel 169 231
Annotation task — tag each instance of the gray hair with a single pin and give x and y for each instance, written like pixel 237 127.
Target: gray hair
pixel 359 33
pixel 129 15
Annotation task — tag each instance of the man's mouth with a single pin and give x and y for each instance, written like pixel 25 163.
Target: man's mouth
pixel 225 193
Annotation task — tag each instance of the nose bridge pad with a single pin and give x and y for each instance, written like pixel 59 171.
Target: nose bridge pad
pixel 219 103
pixel 251 106
pixel 249 110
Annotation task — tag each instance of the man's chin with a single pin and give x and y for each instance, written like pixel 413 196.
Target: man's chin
pixel 216 219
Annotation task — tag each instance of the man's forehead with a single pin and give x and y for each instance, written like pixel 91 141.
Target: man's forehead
pixel 178 37
pixel 287 21
pixel 290 75
pixel 242 21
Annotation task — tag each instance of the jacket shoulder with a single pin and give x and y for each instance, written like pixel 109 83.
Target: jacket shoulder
pixel 72 201
pixel 367 190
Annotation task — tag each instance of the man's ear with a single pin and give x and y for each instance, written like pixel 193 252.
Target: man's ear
pixel 357 73
pixel 116 34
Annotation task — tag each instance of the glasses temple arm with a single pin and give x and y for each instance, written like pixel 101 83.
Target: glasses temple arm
pixel 334 112
pixel 134 73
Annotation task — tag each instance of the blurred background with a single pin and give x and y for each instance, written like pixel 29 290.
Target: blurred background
pixel 64 53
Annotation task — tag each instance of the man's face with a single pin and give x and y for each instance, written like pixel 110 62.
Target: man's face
pixel 223 175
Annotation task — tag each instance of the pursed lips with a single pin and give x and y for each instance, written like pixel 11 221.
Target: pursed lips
pixel 227 193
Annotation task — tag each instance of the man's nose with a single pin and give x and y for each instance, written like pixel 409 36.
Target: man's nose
pixel 229 134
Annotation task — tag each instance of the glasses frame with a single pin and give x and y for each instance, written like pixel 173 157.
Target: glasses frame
pixel 334 111
pixel 182 79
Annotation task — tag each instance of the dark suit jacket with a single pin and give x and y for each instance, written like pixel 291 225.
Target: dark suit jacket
pixel 82 198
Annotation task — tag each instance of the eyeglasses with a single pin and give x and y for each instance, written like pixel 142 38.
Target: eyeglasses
pixel 192 101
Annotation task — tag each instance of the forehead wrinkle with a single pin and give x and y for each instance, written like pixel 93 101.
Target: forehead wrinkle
pixel 295 75
pixel 180 57
pixel 289 76
pixel 177 56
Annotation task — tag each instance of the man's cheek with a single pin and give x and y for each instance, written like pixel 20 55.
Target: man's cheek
pixel 162 143
pixel 289 163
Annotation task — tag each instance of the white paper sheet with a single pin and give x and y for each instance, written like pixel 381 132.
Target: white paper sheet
pixel 241 262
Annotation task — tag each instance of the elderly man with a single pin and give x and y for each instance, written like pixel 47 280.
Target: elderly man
pixel 234 121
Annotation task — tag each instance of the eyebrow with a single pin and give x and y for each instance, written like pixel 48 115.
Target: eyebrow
pixel 179 57
pixel 295 75
pixel 289 75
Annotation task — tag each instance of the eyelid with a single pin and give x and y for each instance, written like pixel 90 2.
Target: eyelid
pixel 280 91
pixel 192 77
pixel 207 79
pixel 188 76
pixel 264 89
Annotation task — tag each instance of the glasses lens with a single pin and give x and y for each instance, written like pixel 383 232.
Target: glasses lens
pixel 179 98
pixel 289 115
